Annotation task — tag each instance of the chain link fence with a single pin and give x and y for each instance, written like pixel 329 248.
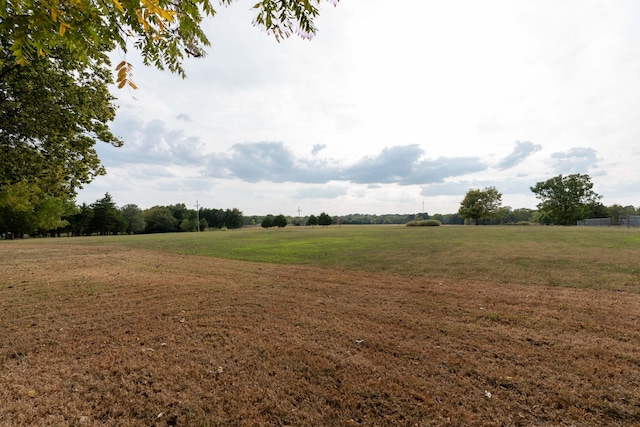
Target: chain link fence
pixel 630 221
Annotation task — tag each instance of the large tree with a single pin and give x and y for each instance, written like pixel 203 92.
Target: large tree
pixel 567 199
pixel 52 113
pixel 481 204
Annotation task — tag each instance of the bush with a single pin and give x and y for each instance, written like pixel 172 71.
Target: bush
pixel 424 223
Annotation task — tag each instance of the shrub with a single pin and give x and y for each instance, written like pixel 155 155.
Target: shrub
pixel 424 223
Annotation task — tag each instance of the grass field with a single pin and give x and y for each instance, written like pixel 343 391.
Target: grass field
pixel 371 325
pixel 580 257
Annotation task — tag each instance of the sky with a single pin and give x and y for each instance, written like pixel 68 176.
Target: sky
pixel 393 107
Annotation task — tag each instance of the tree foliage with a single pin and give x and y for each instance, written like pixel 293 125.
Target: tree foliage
pixel 134 218
pixel 107 219
pixel 324 219
pixel 26 209
pixel 163 31
pixel 481 204
pixel 280 221
pixel 52 113
pixel 312 220
pixel 567 199
pixel 267 221
pixel 159 219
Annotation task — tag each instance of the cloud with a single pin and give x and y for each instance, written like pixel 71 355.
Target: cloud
pixel 151 143
pixel 318 148
pixel 522 150
pixel 460 188
pixel 267 161
pixel 274 162
pixel 184 117
pixel 320 192
pixel 575 160
pixel 402 165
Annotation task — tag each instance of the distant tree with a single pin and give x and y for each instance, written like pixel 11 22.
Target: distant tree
pixel 453 219
pixel 26 209
pixel 51 215
pixel 179 211
pixel 187 225
pixel 481 204
pixel 438 217
pixel 160 220
pixel 566 199
pixel 80 221
pixel 267 221
pixel 619 213
pixel 312 220
pixel 324 220
pixel 107 219
pixel 522 214
pixel 280 221
pixel 596 210
pixel 233 218
pixel 203 224
pixel 214 217
pixel 134 217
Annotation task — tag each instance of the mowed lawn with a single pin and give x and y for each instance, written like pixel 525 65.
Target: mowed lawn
pixel 357 325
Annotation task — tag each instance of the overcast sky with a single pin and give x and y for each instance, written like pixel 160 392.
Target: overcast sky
pixel 391 106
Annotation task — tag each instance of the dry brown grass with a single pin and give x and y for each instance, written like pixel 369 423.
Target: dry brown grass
pixel 121 336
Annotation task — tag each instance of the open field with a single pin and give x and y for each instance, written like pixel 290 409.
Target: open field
pixel 350 326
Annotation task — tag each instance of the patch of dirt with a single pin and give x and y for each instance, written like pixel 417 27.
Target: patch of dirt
pixel 117 336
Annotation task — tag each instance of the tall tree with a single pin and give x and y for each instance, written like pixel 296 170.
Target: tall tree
pixel 566 199
pixel 81 220
pixel 107 219
pixel 480 204
pixel 134 218
pixel 52 113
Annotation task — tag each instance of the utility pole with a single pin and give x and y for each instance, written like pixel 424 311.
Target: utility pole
pixel 299 219
pixel 198 215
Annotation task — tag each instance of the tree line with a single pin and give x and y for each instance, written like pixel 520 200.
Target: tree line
pixel 564 200
pixel 104 217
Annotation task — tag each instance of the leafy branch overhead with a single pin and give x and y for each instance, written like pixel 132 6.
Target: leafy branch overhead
pixel 164 31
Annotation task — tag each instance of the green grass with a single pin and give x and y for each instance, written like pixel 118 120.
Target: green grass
pixel 606 258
